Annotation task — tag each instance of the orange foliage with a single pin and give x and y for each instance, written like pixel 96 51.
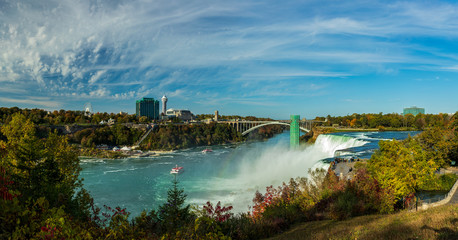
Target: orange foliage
pixel 353 122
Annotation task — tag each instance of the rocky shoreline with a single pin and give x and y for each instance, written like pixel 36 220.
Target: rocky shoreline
pixel 110 154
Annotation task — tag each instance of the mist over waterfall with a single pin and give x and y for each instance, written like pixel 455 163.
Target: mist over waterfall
pixel 279 163
pixel 265 166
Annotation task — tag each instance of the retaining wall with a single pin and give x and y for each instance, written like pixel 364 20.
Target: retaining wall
pixel 447 199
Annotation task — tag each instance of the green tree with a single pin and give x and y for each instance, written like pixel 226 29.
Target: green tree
pixel 174 213
pixel 24 150
pixel 46 168
pixel 142 119
pixel 402 166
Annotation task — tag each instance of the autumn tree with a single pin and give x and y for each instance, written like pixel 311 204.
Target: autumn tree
pixel 402 166
pixel 46 168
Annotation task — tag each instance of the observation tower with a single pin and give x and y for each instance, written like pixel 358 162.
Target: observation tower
pixel 294 131
pixel 164 105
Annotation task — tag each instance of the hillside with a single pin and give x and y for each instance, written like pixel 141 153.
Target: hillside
pixel 437 223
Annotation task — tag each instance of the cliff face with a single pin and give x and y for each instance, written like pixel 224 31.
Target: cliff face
pixel 70 129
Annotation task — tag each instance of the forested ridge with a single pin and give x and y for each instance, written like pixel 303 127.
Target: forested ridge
pixel 165 135
pixel 389 120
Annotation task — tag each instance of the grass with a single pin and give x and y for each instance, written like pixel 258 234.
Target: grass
pixel 436 223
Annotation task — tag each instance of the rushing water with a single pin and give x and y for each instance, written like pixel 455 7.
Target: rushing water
pixel 230 174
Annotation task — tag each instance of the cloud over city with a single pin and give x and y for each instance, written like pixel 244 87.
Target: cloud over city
pixel 241 57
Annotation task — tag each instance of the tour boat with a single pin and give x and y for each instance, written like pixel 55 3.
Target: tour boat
pixel 176 169
pixel 207 150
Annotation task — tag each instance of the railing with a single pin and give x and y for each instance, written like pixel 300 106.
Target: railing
pixel 439 200
pixel 433 199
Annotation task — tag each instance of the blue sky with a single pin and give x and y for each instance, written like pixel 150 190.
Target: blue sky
pixel 262 58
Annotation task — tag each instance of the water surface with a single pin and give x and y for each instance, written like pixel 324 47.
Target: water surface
pixel 230 174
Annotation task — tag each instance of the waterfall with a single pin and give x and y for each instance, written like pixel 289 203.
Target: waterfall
pixel 278 163
pixel 329 144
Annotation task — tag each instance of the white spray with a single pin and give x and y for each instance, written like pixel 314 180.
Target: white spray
pixel 260 168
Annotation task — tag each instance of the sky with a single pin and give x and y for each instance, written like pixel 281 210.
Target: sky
pixel 260 58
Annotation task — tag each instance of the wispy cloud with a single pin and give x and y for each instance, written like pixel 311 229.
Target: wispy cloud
pixel 122 50
pixel 32 101
pixel 450 68
pixel 96 76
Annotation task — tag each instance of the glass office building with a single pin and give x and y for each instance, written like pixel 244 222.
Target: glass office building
pixel 413 110
pixel 148 107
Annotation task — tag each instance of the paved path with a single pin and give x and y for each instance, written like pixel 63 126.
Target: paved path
pixel 454 198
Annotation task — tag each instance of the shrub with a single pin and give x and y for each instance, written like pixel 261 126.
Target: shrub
pixel 345 205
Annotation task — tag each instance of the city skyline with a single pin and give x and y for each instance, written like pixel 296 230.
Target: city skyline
pixel 267 59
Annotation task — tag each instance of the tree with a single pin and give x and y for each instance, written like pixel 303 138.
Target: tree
pixel 121 134
pixel 24 149
pixel 174 213
pixel 143 119
pixel 402 166
pixel 437 143
pixel 46 168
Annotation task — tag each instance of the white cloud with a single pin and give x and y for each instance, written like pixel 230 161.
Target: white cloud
pixel 96 76
pixel 450 68
pixel 131 49
pixel 33 101
pixel 99 93
pixel 268 74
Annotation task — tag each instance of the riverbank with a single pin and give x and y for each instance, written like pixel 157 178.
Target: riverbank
pixel 110 154
pixel 172 138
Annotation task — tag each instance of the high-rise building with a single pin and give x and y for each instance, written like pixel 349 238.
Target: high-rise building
pixel 148 107
pixel 413 110
pixel 164 105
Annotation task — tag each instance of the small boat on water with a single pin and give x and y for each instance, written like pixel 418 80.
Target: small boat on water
pixel 176 170
pixel 207 150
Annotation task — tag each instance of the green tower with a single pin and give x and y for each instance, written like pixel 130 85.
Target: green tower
pixel 294 132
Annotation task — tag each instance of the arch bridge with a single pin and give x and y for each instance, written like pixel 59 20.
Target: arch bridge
pixel 295 126
pixel 245 127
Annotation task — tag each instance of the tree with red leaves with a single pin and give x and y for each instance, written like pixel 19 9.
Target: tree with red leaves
pixel 5 183
pixel 218 213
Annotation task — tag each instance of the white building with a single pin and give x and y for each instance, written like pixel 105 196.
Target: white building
pixel 184 115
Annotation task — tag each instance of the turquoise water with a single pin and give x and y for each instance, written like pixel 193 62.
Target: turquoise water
pixel 230 174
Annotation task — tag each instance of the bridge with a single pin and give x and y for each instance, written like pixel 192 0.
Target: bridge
pixel 245 127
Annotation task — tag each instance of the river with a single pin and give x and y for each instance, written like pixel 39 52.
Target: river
pixel 230 174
